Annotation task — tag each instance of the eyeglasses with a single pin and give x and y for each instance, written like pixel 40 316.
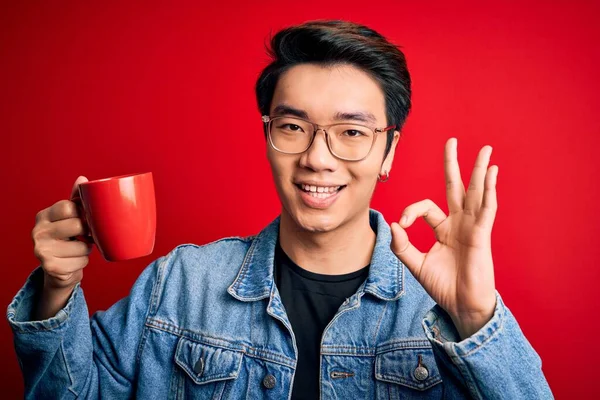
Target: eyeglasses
pixel 346 141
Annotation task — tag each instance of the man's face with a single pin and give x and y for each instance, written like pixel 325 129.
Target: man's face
pixel 321 93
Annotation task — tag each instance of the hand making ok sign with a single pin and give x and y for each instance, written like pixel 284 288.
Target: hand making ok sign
pixel 458 270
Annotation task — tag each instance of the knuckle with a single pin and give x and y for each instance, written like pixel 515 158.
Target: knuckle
pixel 51 267
pixel 427 205
pixel 39 233
pixel 70 209
pixel 40 252
pixel 84 261
pixel 41 215
pixel 78 247
pixel 64 209
pixel 37 253
pixel 35 233
pixel 397 249
pixel 77 226
pixel 469 212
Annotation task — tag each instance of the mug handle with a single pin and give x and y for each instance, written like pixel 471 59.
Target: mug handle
pixel 87 235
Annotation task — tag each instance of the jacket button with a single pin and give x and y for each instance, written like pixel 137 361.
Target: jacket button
pixel 199 366
pixel 269 381
pixel 421 373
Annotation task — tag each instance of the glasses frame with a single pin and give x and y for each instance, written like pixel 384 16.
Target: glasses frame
pixel 267 120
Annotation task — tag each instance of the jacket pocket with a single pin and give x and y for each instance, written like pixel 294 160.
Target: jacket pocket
pixel 209 369
pixel 408 372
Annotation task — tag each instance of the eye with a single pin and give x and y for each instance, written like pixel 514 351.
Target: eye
pixel 292 127
pixel 353 133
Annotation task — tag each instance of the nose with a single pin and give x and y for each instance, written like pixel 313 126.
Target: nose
pixel 318 157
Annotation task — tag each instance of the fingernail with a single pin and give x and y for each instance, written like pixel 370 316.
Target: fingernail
pixel 403 220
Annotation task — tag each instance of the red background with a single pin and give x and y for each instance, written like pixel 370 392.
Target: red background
pixel 106 89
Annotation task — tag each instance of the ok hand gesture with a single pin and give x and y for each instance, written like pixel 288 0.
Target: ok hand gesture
pixel 458 270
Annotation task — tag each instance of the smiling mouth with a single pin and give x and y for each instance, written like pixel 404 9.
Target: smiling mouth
pixel 320 192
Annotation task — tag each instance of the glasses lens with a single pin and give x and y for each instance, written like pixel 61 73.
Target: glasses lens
pixel 351 142
pixel 290 135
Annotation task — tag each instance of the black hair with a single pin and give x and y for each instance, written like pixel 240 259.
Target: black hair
pixel 331 42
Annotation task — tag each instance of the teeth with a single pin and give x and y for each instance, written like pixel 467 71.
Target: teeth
pixel 320 191
pixel 320 195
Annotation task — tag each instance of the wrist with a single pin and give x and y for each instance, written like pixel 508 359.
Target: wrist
pixel 57 285
pixel 469 323
pixel 52 299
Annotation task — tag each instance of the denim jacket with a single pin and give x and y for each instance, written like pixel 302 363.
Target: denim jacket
pixel 207 322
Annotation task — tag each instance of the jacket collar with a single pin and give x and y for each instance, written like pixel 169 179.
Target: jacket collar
pixel 255 277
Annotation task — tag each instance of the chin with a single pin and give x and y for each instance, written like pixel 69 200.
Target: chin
pixel 317 225
pixel 315 221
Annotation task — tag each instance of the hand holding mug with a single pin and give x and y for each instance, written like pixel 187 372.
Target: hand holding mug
pixel 117 214
pixel 62 259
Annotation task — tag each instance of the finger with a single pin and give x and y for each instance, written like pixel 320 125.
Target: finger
pixel 68 279
pixel 68 249
pixel 67 228
pixel 42 216
pixel 489 206
pixel 65 266
pixel 474 194
pixel 405 250
pixel 427 209
pixel 455 189
pixel 61 210
pixel 75 189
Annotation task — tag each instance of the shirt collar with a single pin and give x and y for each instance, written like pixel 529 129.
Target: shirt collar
pixel 255 277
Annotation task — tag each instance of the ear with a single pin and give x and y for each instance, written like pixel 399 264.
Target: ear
pixel 386 167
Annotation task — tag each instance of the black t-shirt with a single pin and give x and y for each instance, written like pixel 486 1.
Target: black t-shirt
pixel 311 300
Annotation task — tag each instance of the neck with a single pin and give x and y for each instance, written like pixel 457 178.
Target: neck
pixel 343 250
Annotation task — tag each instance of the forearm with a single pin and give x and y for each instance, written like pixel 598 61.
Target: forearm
pixel 497 361
pixel 56 353
pixel 51 301
pixel 71 355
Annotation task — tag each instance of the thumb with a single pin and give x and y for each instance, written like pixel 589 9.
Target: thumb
pixel 75 190
pixel 405 251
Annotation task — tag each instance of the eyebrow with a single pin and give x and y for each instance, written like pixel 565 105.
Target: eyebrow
pixel 356 116
pixel 360 116
pixel 284 109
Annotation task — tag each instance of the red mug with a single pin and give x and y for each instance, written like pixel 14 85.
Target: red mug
pixel 119 214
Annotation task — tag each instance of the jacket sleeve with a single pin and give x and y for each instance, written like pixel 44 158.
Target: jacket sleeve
pixel 73 356
pixel 496 362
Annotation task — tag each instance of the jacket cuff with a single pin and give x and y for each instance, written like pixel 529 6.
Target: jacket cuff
pixel 441 332
pixel 20 310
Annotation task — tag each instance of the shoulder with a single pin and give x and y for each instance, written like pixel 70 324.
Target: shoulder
pixel 188 267
pixel 214 257
pixel 213 251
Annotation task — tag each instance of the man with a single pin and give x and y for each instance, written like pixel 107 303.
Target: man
pixel 328 301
